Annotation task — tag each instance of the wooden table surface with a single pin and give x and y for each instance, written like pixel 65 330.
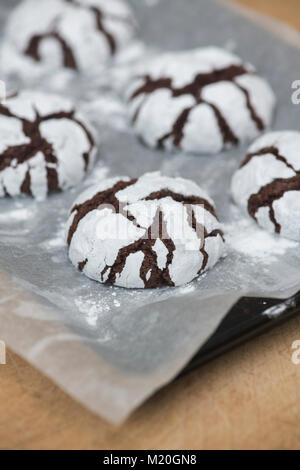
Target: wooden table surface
pixel 247 399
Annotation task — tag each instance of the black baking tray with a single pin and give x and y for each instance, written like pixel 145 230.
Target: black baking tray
pixel 246 320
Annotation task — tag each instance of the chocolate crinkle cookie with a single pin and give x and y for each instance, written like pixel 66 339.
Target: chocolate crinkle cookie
pixel 74 34
pixel 144 233
pixel 45 145
pixel 267 184
pixel 200 101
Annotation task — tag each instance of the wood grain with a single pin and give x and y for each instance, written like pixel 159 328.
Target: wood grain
pixel 287 11
pixel 248 399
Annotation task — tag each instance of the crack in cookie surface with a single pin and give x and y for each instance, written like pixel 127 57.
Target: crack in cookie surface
pixel 99 18
pixel 69 61
pixel 203 234
pixel 187 200
pixel 157 276
pixel 107 197
pixel 33 49
pixel 18 154
pixel 270 193
pixel 267 150
pixel 195 89
pixel 150 273
pixel 274 190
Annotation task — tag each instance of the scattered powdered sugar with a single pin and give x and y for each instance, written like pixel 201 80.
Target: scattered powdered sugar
pixel 91 309
pixel 17 215
pixel 186 289
pixel 99 173
pixel 245 237
pixel 107 109
pixel 58 240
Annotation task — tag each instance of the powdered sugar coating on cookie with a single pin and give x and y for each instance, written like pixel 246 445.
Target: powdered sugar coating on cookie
pixel 143 233
pixel 267 185
pixel 45 145
pixel 200 101
pixel 79 35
